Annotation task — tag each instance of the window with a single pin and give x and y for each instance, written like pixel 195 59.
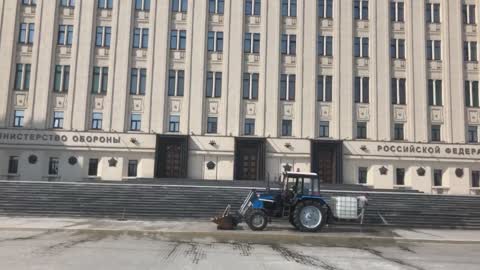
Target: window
pixel 143 5
pixel 325 46
pixel 97 119
pixel 249 128
pixel 399 96
pixel 434 50
pixel 253 7
pixel 29 2
pixel 432 12
pixel 65 35
pixel 58 120
pixel 252 43
pixel 250 86
pixel 397 11
pixel 135 122
pixel 475 179
pixel 132 168
pixel 174 123
pixel 286 127
pixel 212 124
pixel 103 36
pixel 437 178
pixel 397 48
pixel 435 133
pixel 400 177
pixel 325 9
pixel 18 117
pixel 100 80
pixel 93 167
pixel 13 165
pixel 53 165
pixel 469 16
pixel 214 85
pixel 287 87
pixel 324 88
pixel 178 39
pixel 360 9
pixel 360 48
pixel 472 134
pixel 22 77
pixel 140 38
pixel 180 6
pixel 289 44
pixel 215 41
pixel 362 85
pixel 398 132
pixel 324 131
pixel 289 8
pixel 435 92
pixel 138 81
pixel 176 82
pixel 67 3
pixel 470 50
pixel 26 34
pixel 362 175
pixel 62 79
pixel 471 94
pixel 361 130
pixel 216 6
pixel 105 4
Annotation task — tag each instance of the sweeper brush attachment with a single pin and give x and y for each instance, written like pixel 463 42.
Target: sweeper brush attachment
pixel 226 221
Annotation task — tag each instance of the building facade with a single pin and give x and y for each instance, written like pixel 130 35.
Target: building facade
pixel 382 93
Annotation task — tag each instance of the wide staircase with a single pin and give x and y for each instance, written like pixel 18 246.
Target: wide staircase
pixel 203 200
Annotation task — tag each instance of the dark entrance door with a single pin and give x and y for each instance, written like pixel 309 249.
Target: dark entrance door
pixel 171 157
pixel 249 159
pixel 327 161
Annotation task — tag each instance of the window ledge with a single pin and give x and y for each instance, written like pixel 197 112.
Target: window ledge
pixel 440 188
pixel 130 178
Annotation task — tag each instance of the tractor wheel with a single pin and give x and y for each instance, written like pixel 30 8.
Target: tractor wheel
pixel 256 220
pixel 309 216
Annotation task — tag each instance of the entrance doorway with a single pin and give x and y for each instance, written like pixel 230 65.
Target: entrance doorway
pixel 249 159
pixel 327 161
pixel 171 157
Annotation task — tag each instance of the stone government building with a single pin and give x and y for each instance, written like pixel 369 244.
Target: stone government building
pixel 382 93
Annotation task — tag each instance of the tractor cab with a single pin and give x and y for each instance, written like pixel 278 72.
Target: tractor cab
pixel 301 184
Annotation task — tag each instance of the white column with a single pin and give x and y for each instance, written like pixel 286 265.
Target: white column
pixel 299 117
pixel 310 64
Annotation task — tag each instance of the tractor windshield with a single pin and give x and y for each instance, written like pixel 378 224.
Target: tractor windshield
pixel 310 186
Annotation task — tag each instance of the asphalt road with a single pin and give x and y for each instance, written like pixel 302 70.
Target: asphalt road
pixel 42 250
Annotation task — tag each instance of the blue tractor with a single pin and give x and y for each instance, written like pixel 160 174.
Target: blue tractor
pixel 299 199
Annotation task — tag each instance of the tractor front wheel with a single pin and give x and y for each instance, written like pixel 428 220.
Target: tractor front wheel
pixel 256 220
pixel 309 216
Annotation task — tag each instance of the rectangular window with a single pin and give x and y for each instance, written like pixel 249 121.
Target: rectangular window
pixel 434 50
pixel 397 11
pixel 97 119
pixel 470 50
pixel 26 34
pixel 212 124
pixel 215 41
pixel 362 85
pixel 214 85
pixel 29 2
pixel 475 179
pixel 432 12
pixel 325 46
pixel 289 8
pixel 436 133
pixel 286 128
pixel 13 165
pixel 360 9
pixel 435 93
pixel 18 118
pixel 93 167
pixel 253 7
pixel 180 6
pixel 324 88
pixel 132 168
pixel 471 94
pixel 100 80
pixel 67 3
pixel 400 177
pixel 176 83
pixel 362 175
pixel 325 9
pixel 250 86
pixel 135 122
pixel 105 4
pixel 399 92
pixel 53 166
pixel 142 5
pixel 103 36
pixel 472 134
pixel 324 131
pixel 398 132
pixel 65 35
pixel 174 124
pixel 62 78
pixel 252 43
pixel 361 130
pixel 58 120
pixel 287 87
pixel 437 178
pixel 249 128
pixel 361 47
pixel 289 44
pixel 138 81
pixel 22 77
pixel 469 14
pixel 140 38
pixel 216 6
pixel 397 49
pixel 178 40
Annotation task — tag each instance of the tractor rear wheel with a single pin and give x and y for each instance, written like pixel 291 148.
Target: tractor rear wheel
pixel 256 220
pixel 309 216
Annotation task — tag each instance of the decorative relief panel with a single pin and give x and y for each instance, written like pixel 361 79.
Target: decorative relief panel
pixel 473 116
pixel 253 58
pixel 178 55
pixel 140 53
pixel 470 28
pixel 435 65
pixel 216 19
pixel 362 62
pixel 399 64
pixel 326 23
pixel 68 12
pixel 288 110
pixel 291 21
pixel 254 20
pixel 216 56
pixel 434 27
pixel 103 52
pixel 60 102
pixel 325 112
pixel 399 114
pixel 180 17
pixel 289 59
pixel 98 103
pixel 398 27
pixel 175 106
pixel 362 24
pixel 326 61
pixel 21 100
pixel 213 107
pixel 142 15
pixel 105 13
pixel 436 115
pixel 250 109
pixel 363 113
pixel 137 105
